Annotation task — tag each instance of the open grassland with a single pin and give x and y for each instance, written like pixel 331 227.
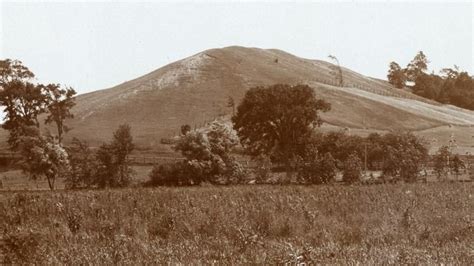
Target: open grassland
pixel 393 223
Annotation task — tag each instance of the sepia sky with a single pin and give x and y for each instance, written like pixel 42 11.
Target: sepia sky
pixel 92 45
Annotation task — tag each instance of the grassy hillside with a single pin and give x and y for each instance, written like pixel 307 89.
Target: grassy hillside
pixel 368 225
pixel 195 90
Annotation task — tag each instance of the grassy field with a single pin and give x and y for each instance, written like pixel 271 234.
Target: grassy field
pixel 397 223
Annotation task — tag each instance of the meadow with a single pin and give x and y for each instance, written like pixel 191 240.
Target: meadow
pixel 261 224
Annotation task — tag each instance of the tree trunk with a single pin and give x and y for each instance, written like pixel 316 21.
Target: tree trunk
pixel 51 180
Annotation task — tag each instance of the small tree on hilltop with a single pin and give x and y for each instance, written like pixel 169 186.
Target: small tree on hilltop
pixel 417 66
pixel 396 75
pixel 277 120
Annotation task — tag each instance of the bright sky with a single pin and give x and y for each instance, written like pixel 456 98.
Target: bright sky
pixel 91 45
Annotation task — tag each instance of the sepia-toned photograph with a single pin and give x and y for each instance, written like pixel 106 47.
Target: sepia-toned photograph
pixel 237 132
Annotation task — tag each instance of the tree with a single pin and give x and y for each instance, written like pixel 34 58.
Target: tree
pixel 113 167
pixel 404 156
pixel 352 169
pixel 396 75
pixel 441 160
pixel 456 165
pixel 417 66
pixel 42 156
pixel 340 78
pixel 107 169
pixel 60 102
pixel 122 145
pixel 23 103
pixel 316 169
pixel 83 165
pixel 231 103
pixel 13 70
pixel 22 100
pixel 185 129
pixel 277 120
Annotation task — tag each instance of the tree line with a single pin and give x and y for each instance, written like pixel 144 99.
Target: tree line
pixel 42 152
pixel 277 125
pixel 452 86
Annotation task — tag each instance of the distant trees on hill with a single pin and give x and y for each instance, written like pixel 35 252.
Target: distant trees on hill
pixel 453 86
pixel 396 75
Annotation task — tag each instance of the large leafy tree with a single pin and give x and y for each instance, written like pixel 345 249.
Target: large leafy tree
pixel 22 100
pixel 277 120
pixel 404 155
pixel 23 103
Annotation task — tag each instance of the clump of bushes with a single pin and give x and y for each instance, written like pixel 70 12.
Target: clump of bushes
pixel 207 159
pixel 316 169
pixel 174 174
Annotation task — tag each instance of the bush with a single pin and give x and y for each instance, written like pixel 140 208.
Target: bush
pixel 83 168
pixel 208 154
pixel 174 174
pixel 316 169
pixel 263 169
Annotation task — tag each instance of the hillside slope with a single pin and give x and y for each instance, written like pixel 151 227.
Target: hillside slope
pixel 195 90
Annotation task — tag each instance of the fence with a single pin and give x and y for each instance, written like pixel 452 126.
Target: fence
pixel 152 160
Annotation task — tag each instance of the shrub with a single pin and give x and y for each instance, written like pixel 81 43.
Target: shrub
pixel 263 169
pixel 315 169
pixel 174 174
pixel 208 154
pixel 83 165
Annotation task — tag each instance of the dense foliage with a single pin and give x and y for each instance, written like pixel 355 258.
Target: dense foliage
pixel 208 159
pixel 107 167
pixel 397 154
pixel 276 120
pixel 23 103
pixel 453 86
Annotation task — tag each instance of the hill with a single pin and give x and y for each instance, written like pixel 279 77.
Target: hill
pixel 195 90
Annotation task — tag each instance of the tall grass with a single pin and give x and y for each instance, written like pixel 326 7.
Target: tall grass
pixel 400 223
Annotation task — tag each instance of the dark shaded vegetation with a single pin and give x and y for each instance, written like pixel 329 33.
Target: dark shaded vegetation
pixel 106 167
pixel 453 86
